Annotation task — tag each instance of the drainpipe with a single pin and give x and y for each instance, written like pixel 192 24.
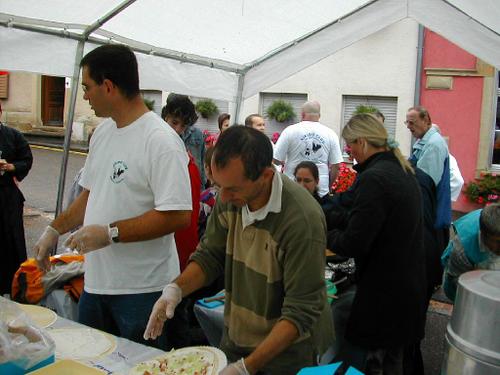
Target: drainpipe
pixel 418 73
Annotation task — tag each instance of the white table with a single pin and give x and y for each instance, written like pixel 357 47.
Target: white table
pixel 126 355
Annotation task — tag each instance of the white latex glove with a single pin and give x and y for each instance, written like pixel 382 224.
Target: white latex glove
pixel 163 309
pixel 89 238
pixel 236 368
pixel 44 245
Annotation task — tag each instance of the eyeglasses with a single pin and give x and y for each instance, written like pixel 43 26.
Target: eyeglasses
pixel 409 122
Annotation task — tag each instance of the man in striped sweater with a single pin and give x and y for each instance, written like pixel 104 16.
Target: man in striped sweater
pixel 267 235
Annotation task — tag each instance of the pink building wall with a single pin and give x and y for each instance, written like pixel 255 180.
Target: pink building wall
pixel 456 111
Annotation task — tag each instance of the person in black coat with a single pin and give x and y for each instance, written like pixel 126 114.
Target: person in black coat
pixel 15 162
pixel 384 234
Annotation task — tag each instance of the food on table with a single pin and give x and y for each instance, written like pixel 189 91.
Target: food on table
pixel 186 361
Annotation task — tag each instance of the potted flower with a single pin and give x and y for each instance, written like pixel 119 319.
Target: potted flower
pixel 206 108
pixel 280 111
pixel 484 190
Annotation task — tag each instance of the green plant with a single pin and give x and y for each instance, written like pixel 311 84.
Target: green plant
pixel 206 108
pixel 484 190
pixel 280 111
pixel 149 103
pixel 365 109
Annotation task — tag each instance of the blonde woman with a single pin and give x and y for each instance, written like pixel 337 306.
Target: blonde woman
pixel 384 235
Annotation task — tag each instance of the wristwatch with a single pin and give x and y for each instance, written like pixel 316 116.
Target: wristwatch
pixel 113 232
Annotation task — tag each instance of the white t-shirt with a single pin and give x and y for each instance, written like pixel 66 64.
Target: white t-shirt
pixel 456 179
pixel 130 171
pixel 309 141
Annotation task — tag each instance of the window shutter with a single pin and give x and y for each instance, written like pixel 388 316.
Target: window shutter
pixel 4 86
pixel 387 105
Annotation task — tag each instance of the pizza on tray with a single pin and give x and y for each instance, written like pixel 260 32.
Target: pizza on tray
pixel 186 361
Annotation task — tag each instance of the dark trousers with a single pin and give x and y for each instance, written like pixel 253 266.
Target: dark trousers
pixel 12 242
pixel 124 315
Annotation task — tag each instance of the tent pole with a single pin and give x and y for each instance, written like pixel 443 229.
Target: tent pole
pixel 239 97
pixel 418 73
pixel 69 126
pixel 74 92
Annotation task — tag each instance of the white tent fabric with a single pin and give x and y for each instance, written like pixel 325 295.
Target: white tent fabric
pixel 201 48
pixel 222 49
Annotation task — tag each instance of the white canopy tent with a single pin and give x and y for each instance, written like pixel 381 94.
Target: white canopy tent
pixel 224 49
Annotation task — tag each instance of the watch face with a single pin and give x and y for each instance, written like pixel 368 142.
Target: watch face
pixel 114 233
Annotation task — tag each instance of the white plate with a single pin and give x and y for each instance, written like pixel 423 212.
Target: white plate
pixel 81 343
pixel 41 316
pixel 219 360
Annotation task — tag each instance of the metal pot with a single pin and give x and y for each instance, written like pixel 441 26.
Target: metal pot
pixel 473 334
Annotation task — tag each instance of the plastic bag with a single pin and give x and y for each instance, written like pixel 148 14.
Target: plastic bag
pixel 22 344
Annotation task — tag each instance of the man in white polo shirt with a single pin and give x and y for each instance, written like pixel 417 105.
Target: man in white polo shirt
pixel 309 140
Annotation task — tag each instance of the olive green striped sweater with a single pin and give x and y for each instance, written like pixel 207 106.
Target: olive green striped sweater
pixel 274 269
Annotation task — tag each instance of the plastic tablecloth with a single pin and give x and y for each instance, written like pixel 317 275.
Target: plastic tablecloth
pixel 126 355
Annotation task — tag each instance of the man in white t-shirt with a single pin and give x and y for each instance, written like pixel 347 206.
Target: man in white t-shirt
pixel 136 195
pixel 309 140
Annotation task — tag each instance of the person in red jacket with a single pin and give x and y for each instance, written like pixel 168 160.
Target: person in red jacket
pixel 179 113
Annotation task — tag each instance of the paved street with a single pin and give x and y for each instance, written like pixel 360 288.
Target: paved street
pixel 40 191
pixel 40 186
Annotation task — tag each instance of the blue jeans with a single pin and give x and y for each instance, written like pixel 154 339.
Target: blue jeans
pixel 124 315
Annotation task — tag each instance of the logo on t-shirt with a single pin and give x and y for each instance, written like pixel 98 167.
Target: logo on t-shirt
pixel 119 168
pixel 313 147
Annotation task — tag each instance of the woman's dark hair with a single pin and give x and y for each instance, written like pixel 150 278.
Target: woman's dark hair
pixel 313 168
pixel 116 63
pixel 223 117
pixel 180 106
pixel 252 146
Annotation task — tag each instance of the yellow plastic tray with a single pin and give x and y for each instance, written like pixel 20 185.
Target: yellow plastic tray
pixel 67 367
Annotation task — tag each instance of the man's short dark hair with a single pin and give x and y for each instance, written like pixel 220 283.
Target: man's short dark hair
pixel 180 106
pixel 249 119
pixel 116 63
pixel 489 220
pixel 249 144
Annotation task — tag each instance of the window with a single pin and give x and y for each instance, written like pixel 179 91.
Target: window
pixel 267 98
pixel 211 123
pixel 386 105
pixel 495 162
pixel 4 85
